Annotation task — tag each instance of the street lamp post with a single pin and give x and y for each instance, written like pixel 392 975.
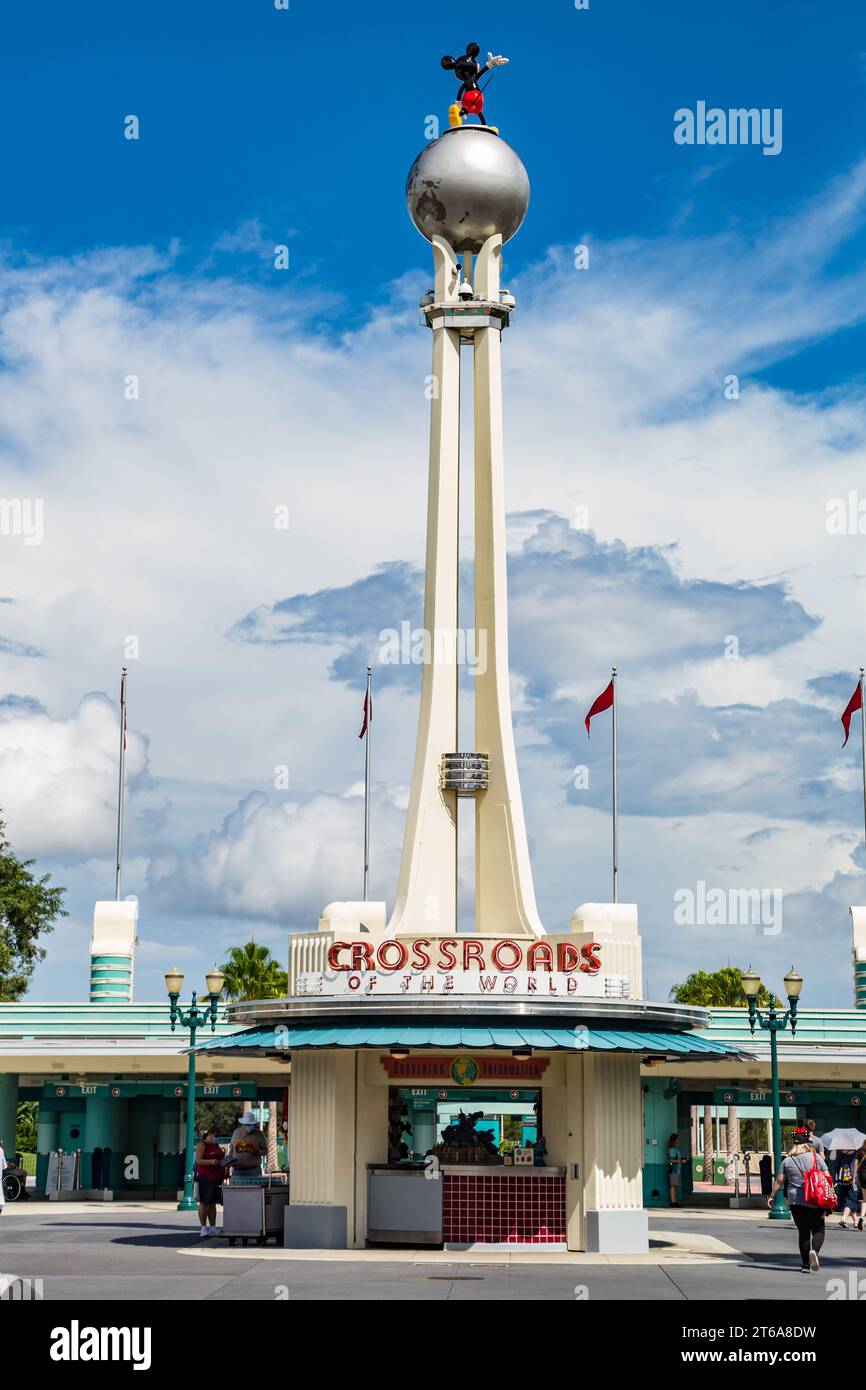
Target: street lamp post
pixel 774 1020
pixel 194 1017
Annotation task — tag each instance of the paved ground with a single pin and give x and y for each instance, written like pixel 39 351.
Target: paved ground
pixel 141 1253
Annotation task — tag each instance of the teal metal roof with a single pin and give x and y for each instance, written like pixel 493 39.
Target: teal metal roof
pixel 580 1039
pixel 115 1019
pixel 121 1021
pixel 819 1027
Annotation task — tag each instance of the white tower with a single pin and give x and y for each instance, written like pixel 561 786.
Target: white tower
pixel 467 193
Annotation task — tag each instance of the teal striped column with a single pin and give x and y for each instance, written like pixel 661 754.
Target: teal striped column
pixel 110 979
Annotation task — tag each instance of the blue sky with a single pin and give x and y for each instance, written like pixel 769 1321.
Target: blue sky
pixel 706 516
pixel 307 120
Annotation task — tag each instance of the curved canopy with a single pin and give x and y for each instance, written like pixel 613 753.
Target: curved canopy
pixel 280 1038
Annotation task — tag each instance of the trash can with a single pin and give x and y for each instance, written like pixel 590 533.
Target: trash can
pixel 720 1172
pixel 765 1168
pixel 698 1168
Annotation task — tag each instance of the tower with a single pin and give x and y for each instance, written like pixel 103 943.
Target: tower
pixel 858 942
pixel 467 193
pixel 112 951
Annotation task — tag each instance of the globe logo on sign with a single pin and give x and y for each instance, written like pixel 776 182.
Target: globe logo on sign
pixel 464 1070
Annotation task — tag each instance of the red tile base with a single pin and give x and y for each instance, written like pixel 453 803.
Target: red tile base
pixel 514 1210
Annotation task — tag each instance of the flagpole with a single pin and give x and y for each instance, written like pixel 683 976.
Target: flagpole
pixel 613 772
pixel 863 743
pixel 120 780
pixel 368 706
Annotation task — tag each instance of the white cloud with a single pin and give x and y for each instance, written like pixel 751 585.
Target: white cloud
pixel 282 861
pixel 59 778
pixel 159 524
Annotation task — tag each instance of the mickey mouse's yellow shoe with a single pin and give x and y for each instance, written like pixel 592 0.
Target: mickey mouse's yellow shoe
pixel 454 116
pixel 494 128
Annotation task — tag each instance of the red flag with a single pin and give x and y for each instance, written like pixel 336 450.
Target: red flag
pixel 604 701
pixel 854 703
pixel 368 714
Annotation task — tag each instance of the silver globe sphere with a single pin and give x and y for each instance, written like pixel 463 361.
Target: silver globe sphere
pixel 466 186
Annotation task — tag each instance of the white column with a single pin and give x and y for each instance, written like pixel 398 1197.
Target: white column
pixel 338 1124
pixel 573 1158
pixel 504 897
pixel 612 1113
pixel 313 1105
pixel 426 891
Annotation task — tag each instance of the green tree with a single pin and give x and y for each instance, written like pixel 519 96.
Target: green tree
pixel 28 910
pixel 222 1113
pixel 715 989
pixel 28 1114
pixel 252 973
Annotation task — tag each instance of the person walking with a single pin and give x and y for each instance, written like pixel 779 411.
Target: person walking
pixel 675 1163
pixel 3 1167
pixel 849 1189
pixel 209 1159
pixel 860 1182
pixel 808 1216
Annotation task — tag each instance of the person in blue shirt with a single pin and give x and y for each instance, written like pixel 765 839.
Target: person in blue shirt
pixel 675 1162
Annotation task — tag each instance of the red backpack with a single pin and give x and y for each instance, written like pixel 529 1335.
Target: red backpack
pixel 817 1186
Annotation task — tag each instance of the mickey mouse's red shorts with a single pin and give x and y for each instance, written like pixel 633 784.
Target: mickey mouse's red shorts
pixel 473 102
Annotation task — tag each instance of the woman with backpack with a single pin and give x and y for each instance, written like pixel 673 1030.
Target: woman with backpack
pixel 809 1194
pixel 849 1189
pixel 860 1182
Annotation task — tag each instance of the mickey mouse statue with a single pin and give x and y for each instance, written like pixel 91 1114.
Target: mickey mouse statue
pixel 470 98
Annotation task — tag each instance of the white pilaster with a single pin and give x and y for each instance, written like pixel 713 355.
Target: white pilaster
pixel 504 894
pixel 616 1222
pixel 338 1124
pixel 427 887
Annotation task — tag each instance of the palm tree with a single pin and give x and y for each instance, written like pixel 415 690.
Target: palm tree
pixel 252 973
pixel 717 989
pixel 273 1135
pixel 709 1146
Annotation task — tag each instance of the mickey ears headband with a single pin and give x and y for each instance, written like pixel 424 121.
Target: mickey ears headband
pixel 472 51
